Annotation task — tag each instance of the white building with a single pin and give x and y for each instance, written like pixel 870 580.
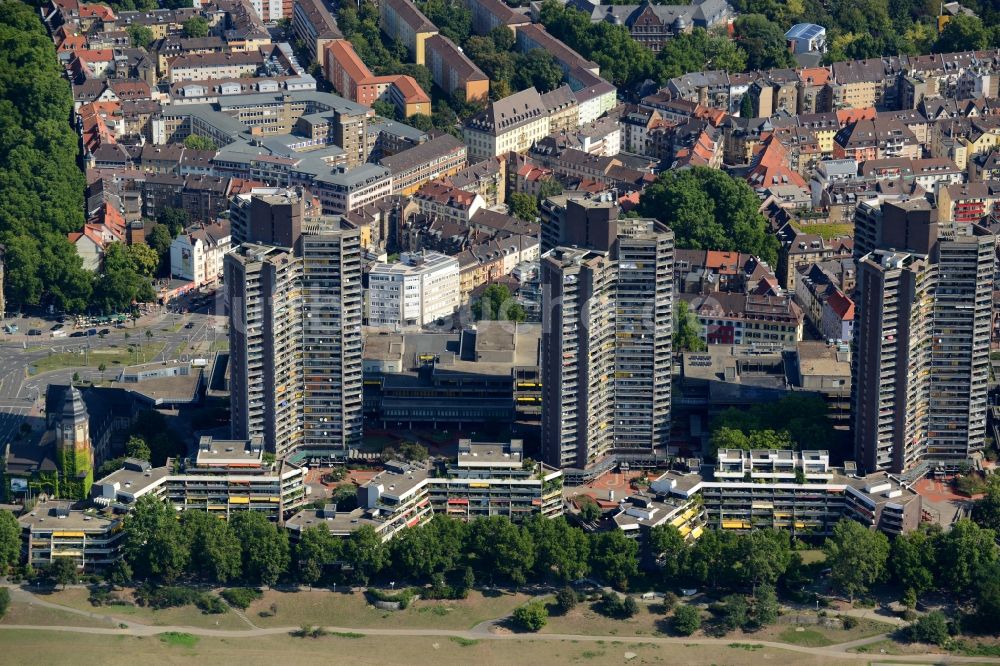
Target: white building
pixel 197 253
pixel 419 289
pixel 806 38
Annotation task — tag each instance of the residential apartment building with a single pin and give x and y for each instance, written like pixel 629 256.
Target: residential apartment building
pixel 196 254
pixel 295 340
pixel 512 124
pixel 447 202
pixel 315 27
pixel 441 157
pixel 352 79
pixel 797 491
pixel 968 202
pixel 54 530
pixel 348 188
pixel 271 215
pixel 401 21
pixel 452 70
pixel 222 477
pixel 746 318
pixel 419 289
pixel 922 342
pixel 606 331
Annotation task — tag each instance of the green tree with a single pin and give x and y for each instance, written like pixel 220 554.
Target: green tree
pixel 174 219
pixel 589 510
pixel 120 574
pixel 666 545
pixel 155 545
pixel 560 549
pixel 385 109
pixel 10 540
pixel 728 438
pixel 746 107
pixel 531 616
pixel 523 206
pixel 196 142
pixel 452 18
pixel 614 556
pixel 4 601
pixel 735 611
pixel 497 304
pixel 216 551
pixel 987 601
pixel 417 553
pixel 265 547
pixel 763 41
pixel 687 330
pixel 63 572
pixel 537 68
pixel 365 552
pixel 136 447
pixel 160 239
pixel 913 561
pixel 765 606
pixel 566 599
pixel 549 187
pixel 962 33
pixel 986 511
pixel 709 209
pixel 963 553
pixel 765 556
pixel 857 556
pixel 196 26
pixel 502 548
pixel 686 620
pixel 931 628
pixel 140 36
pixel 316 549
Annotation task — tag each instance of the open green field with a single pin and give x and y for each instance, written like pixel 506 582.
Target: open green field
pixel 820 636
pixel 812 555
pixel 50 647
pixel 188 616
pixel 585 620
pixel 112 357
pixel 322 607
pixel 21 612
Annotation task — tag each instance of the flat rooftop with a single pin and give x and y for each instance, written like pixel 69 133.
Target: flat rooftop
pixel 60 515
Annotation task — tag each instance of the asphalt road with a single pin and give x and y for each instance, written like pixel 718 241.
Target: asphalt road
pixel 20 392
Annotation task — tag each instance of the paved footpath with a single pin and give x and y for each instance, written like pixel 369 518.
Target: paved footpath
pixel 131 628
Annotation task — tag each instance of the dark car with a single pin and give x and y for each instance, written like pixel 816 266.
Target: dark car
pixel 190 324
pixel 57 327
pixel 77 334
pixel 105 331
pixel 91 331
pixel 35 331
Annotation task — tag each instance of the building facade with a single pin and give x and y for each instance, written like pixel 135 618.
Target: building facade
pixel 416 291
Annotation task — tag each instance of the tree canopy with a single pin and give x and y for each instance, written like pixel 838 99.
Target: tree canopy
pixel 42 184
pixel 710 210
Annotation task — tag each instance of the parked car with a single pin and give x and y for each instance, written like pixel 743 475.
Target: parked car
pixel 190 324
pixel 35 331
pixel 58 334
pixel 105 331
pixel 77 334
pixel 57 327
pixel 91 331
pixel 10 328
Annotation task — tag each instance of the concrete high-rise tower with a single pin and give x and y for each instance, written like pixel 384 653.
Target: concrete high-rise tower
pixel 606 346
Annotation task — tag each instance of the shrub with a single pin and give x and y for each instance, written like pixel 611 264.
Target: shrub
pixel 566 599
pixel 669 601
pixel 403 597
pixel 930 628
pixel 530 617
pixel 686 620
pixel 4 601
pixel 166 597
pixel 629 607
pixel 211 604
pixel 241 597
pixel 849 621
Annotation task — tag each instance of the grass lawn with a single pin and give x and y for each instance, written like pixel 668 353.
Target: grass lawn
pixel 111 357
pixel 819 636
pixel 889 646
pixel 828 231
pixel 322 607
pixel 220 345
pixel 585 620
pixel 804 636
pixel 21 612
pixel 812 555
pixel 25 646
pixel 185 616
